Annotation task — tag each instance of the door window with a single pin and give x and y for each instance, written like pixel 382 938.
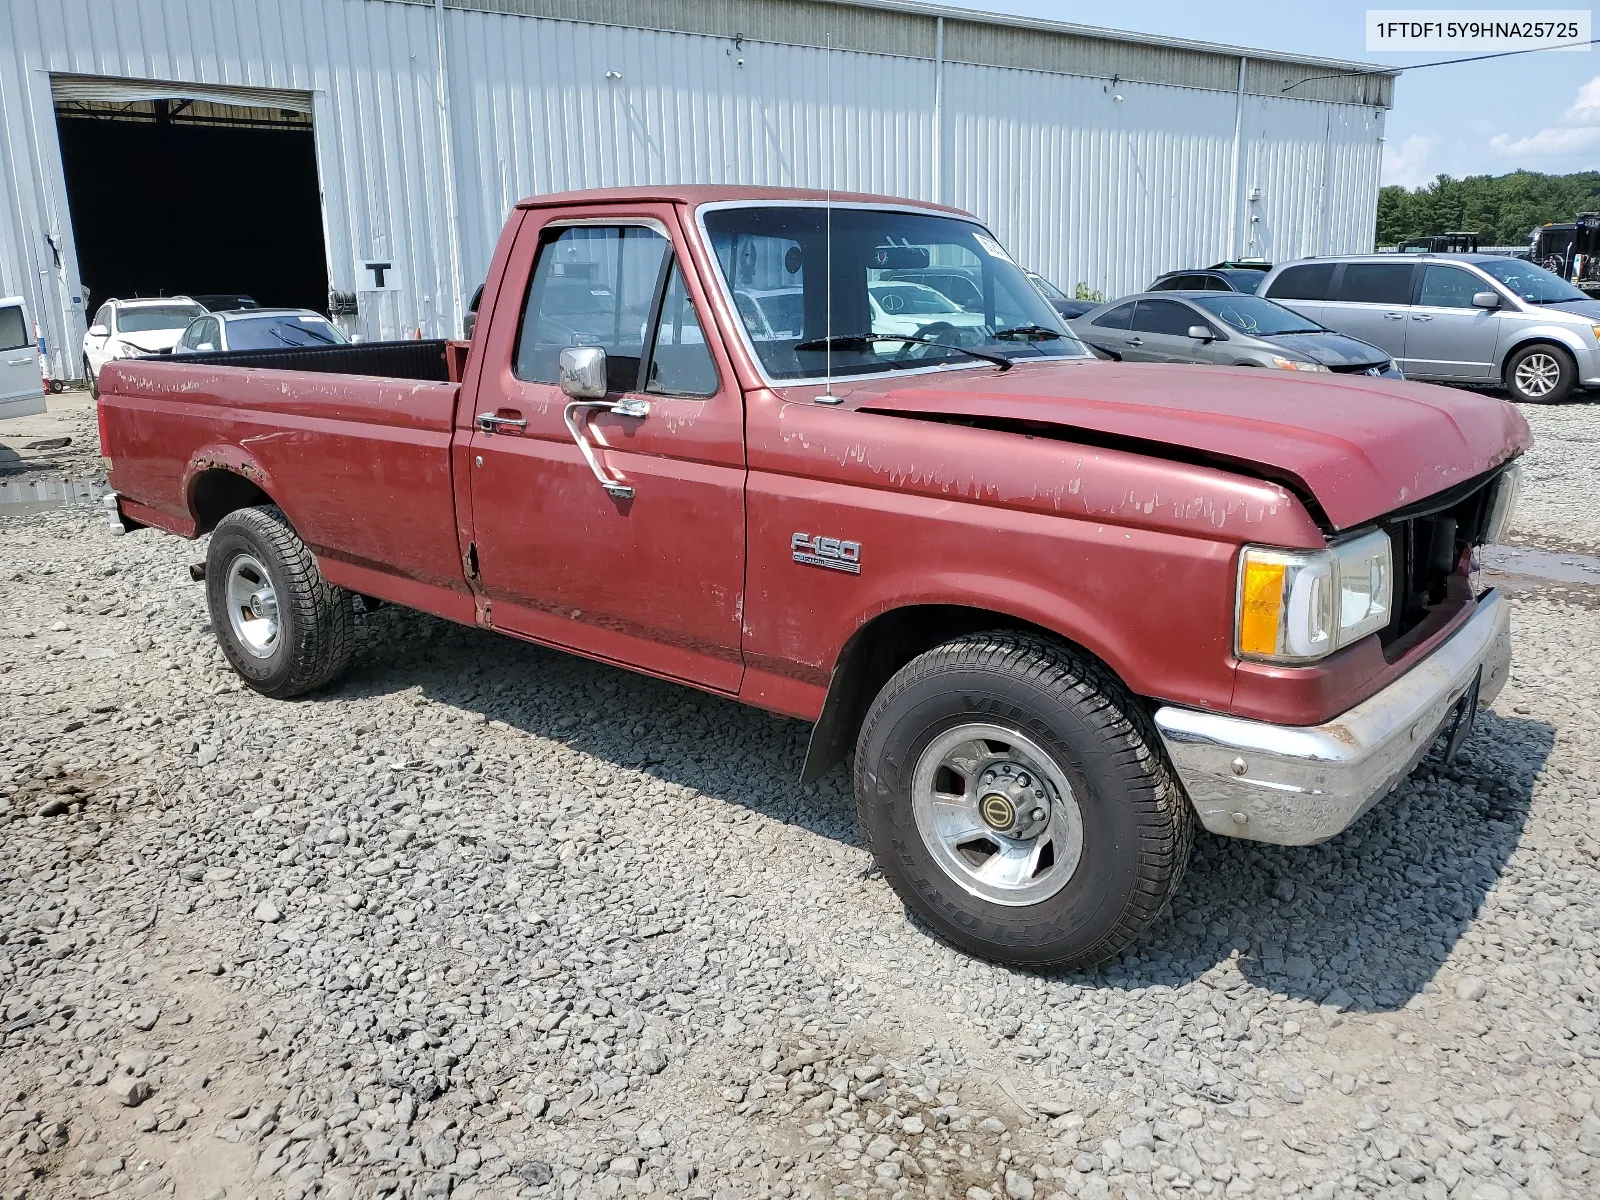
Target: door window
pixel 1118 318
pixel 1164 316
pixel 1313 281
pixel 594 285
pixel 103 317
pixel 1449 287
pixel 13 329
pixel 680 362
pixel 1375 283
pixel 191 335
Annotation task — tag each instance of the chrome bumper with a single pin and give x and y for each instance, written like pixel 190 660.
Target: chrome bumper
pixel 1296 785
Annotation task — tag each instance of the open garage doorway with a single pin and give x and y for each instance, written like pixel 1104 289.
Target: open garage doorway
pixel 178 195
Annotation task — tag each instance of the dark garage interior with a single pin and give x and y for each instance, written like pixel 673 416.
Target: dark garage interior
pixel 178 197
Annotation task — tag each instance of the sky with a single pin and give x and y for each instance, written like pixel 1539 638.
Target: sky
pixel 1536 112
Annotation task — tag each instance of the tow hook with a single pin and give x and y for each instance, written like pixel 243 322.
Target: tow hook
pixel 197 572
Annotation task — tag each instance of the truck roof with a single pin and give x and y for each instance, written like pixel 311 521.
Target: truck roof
pixel 711 193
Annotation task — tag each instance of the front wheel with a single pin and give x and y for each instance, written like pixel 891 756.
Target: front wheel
pixel 94 380
pixel 284 628
pixel 1016 798
pixel 1540 374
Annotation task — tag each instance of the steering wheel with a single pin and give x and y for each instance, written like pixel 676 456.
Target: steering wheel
pixel 940 331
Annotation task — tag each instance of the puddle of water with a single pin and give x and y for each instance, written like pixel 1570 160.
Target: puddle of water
pixel 1548 566
pixel 18 496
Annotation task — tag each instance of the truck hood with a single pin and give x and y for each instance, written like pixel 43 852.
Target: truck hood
pixel 1358 446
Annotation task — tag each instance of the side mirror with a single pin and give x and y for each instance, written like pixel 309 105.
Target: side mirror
pixel 99 331
pixel 1485 300
pixel 583 372
pixel 1202 333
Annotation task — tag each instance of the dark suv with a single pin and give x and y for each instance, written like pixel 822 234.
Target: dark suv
pixel 1229 278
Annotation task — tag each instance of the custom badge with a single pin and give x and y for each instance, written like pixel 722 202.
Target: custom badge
pixel 832 553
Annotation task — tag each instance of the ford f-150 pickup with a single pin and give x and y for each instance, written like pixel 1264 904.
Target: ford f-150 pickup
pixel 1061 609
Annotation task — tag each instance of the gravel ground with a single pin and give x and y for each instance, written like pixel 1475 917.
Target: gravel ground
pixel 1561 498
pixel 486 920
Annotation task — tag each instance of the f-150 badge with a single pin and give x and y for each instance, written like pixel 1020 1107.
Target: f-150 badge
pixel 827 552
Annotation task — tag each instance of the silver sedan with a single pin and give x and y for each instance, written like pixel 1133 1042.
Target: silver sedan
pixel 1224 329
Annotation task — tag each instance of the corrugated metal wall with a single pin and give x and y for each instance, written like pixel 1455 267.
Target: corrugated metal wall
pixel 1080 184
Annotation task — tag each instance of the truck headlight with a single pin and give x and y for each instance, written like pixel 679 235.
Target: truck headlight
pixel 1507 490
pixel 1301 605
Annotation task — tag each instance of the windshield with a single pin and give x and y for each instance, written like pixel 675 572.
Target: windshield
pixel 1051 291
pixel 1533 284
pixel 1244 281
pixel 1253 315
pixel 155 319
pixel 270 333
pixel 780 254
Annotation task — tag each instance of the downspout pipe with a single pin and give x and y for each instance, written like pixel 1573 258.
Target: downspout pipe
pixel 938 110
pixel 448 165
pixel 1238 164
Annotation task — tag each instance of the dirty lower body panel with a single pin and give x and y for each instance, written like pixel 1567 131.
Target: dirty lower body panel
pixel 1296 785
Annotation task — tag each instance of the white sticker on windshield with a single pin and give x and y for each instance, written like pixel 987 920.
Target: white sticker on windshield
pixel 993 248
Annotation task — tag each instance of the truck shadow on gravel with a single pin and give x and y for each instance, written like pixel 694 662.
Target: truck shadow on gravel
pixel 1365 920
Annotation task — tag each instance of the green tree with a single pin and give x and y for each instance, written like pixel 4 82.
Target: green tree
pixel 1503 209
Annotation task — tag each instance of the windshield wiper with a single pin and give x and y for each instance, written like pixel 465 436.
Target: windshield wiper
pixel 1027 333
pixel 864 341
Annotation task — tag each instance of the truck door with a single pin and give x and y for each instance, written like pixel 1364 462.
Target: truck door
pixel 612 527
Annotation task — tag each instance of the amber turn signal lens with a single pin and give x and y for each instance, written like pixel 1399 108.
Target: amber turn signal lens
pixel 1261 607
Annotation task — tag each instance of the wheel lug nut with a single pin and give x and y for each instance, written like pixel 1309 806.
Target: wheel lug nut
pixel 1024 780
pixel 1037 815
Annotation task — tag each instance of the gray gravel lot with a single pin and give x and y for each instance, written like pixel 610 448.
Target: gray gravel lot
pixel 1561 502
pixel 486 920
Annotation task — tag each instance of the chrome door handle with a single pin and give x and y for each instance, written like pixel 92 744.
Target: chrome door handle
pixel 1135 341
pixel 17 362
pixel 1420 317
pixel 638 409
pixel 1394 316
pixel 489 423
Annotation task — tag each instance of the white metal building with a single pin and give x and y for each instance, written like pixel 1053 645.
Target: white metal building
pixel 1096 156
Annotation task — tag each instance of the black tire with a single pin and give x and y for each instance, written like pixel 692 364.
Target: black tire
pixel 1525 358
pixel 315 635
pixel 94 380
pixel 1137 825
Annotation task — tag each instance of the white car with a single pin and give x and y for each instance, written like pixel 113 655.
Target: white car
pixel 21 381
pixel 258 329
pixel 130 328
pixel 909 308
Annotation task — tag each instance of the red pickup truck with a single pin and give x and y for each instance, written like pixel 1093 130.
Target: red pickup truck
pixel 745 439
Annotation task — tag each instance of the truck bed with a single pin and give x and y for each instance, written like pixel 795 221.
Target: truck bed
pixel 364 461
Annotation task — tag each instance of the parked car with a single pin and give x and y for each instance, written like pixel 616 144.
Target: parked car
pixel 903 307
pixel 1455 318
pixel 129 328
pixel 962 286
pixel 1227 329
pixel 225 302
pixel 259 329
pixel 771 314
pixel 1061 608
pixel 21 378
pixel 1064 304
pixel 1212 279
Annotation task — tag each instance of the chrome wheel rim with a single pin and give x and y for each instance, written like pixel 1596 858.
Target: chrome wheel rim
pixel 997 814
pixel 252 606
pixel 1538 374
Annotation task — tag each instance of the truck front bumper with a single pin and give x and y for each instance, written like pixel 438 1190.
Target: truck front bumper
pixel 1296 785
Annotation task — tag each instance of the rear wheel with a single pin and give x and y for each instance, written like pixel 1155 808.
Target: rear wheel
pixel 284 628
pixel 1540 374
pixel 1017 799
